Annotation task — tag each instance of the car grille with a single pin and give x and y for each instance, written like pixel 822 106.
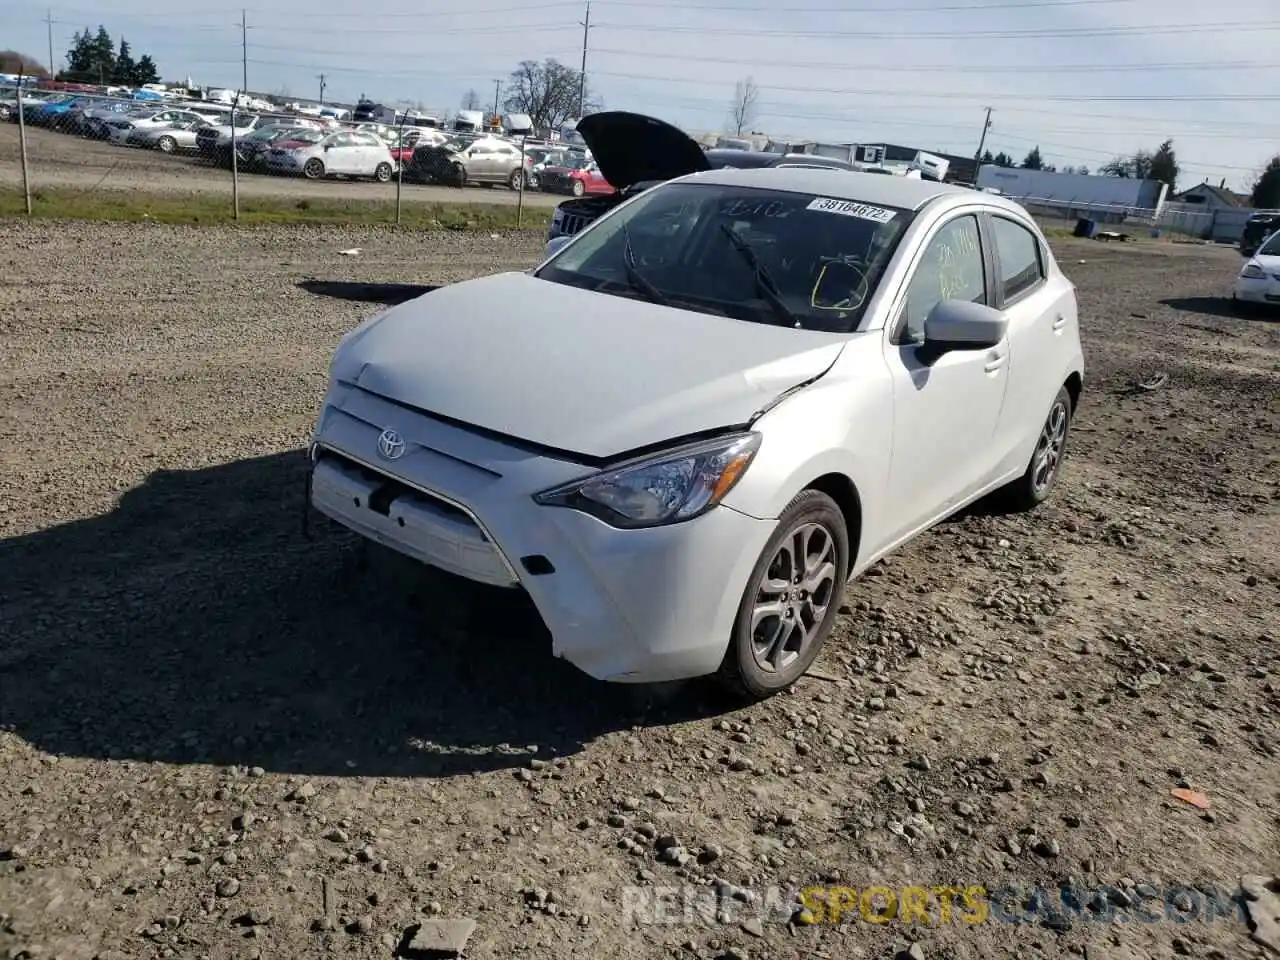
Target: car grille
pixel 571 223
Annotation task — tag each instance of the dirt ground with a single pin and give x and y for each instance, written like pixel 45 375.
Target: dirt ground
pixel 64 160
pixel 219 739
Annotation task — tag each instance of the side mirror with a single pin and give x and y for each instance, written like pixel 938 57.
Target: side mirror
pixel 556 245
pixel 962 325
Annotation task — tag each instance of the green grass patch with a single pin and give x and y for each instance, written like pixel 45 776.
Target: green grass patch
pixel 62 203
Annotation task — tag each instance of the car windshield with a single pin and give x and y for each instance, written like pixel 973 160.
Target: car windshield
pixel 761 255
pixel 1272 247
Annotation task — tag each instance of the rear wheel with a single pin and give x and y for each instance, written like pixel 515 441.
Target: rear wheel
pixel 313 169
pixel 791 599
pixel 1034 486
pixel 516 180
pixel 166 144
pixel 382 173
pixel 579 188
pixel 459 175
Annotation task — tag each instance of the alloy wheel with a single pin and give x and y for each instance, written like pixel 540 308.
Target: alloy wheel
pixel 1049 447
pixel 793 596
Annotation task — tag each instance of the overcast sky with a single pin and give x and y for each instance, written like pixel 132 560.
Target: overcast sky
pixel 1084 79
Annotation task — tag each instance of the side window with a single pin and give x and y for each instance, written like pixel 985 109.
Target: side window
pixel 1019 255
pixel 951 268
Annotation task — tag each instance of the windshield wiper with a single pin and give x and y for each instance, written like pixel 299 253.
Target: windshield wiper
pixel 764 281
pixel 637 279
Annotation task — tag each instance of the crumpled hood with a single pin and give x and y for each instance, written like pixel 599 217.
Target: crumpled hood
pixel 582 372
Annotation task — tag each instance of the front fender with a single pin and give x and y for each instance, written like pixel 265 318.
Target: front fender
pixel 839 425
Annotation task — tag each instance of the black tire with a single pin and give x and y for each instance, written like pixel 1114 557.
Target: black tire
pixel 745 668
pixel 516 180
pixel 459 175
pixel 313 169
pixel 579 188
pixel 166 145
pixel 1034 486
pixel 382 172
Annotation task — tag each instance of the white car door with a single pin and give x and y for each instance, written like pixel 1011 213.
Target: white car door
pixel 373 151
pixel 945 411
pixel 1042 314
pixel 341 155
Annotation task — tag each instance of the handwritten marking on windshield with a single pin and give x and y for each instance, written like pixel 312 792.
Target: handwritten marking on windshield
pixel 755 208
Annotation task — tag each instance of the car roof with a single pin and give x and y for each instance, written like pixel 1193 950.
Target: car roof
pixel 723 156
pixel 903 192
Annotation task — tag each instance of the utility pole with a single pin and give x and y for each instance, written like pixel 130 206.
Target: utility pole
pixel 244 54
pixel 582 76
pixel 977 157
pixel 497 89
pixel 321 79
pixel 49 23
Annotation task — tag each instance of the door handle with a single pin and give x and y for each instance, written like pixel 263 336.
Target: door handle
pixel 994 362
pixel 1059 324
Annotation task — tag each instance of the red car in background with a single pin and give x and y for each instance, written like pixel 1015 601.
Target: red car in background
pixel 409 140
pixel 581 179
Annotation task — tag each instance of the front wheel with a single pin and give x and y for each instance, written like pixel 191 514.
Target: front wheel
pixel 459 175
pixel 516 180
pixel 166 144
pixel 791 599
pixel 1041 476
pixel 313 169
pixel 382 173
pixel 579 188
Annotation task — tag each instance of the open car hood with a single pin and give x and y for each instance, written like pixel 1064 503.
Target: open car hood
pixel 630 147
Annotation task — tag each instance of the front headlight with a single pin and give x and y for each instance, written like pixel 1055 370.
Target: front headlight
pixel 1252 272
pixel 670 487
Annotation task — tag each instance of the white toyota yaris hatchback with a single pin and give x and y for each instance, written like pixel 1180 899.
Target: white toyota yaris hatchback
pixel 689 427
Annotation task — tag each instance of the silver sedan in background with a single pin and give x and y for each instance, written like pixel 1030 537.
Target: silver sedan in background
pixel 179 136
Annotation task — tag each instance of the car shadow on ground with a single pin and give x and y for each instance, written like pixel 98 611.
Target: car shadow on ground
pixel 1221 307
pixel 386 293
pixel 195 623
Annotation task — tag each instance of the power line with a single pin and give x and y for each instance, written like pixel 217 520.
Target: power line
pixel 978 96
pixel 894 8
pixel 902 101
pixel 900 67
pixel 952 36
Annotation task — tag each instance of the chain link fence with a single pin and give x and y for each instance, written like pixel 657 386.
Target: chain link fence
pixel 1172 222
pixel 224 161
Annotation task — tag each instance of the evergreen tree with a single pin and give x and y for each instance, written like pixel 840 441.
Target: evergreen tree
pixel 1266 189
pixel 104 55
pixel 1164 165
pixel 145 71
pixel 125 69
pixel 1033 160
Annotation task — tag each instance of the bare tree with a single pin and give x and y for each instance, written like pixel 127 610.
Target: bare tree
pixel 471 100
pixel 745 95
pixel 547 93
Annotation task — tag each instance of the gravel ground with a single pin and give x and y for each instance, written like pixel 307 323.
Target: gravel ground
pixel 218 739
pixel 63 160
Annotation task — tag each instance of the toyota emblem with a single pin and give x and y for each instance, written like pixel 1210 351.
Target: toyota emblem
pixel 390 445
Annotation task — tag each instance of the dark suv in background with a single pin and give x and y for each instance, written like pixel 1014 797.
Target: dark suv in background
pixel 1256 229
pixel 635 152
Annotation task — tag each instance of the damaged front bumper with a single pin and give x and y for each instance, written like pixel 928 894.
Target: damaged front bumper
pixel 622 605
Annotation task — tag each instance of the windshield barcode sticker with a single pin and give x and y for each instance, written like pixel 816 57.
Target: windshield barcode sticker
pixel 848 208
